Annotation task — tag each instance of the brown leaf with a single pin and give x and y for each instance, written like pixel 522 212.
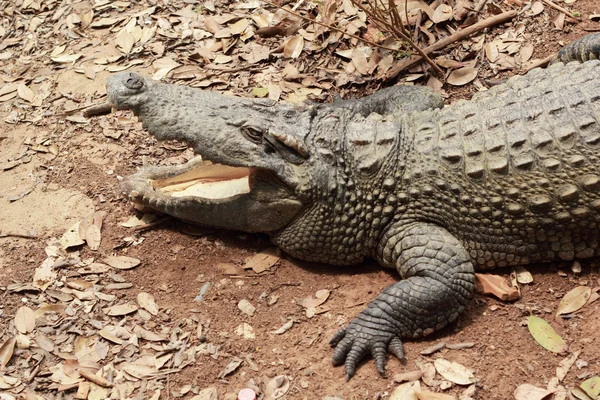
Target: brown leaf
pixel 122 262
pixel 230 367
pixel 442 13
pixel 565 365
pixel 6 351
pixel 125 42
pixel 462 76
pixel 146 301
pixel 495 285
pixel 537 8
pixel 530 392
pixel 408 376
pixel 574 300
pixel 263 261
pixel 454 372
pixel 360 62
pixel 25 319
pixel 293 47
pixel 93 237
pixel 25 93
pixel 120 309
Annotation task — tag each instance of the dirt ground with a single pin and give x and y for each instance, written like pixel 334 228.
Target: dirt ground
pixel 58 168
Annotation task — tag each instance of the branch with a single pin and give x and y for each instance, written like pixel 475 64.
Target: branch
pixel 440 44
pixel 333 28
pixel 396 27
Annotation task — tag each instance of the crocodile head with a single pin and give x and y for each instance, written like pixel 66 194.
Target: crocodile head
pixel 254 175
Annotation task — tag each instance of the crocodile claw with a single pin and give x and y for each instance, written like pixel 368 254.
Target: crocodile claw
pixel 365 335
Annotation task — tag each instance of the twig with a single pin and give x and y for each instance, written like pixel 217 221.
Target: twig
pixel 98 109
pixel 395 26
pixel 18 235
pixel 559 8
pixel 540 63
pixel 440 44
pixel 98 380
pixel 333 28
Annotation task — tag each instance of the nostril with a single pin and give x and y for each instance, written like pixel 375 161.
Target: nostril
pixel 133 81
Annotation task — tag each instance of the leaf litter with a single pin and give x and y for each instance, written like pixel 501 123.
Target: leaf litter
pixel 223 42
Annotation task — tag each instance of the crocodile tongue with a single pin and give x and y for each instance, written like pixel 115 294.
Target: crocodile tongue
pixel 209 181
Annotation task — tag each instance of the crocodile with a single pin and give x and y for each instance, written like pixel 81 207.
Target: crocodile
pixel 507 178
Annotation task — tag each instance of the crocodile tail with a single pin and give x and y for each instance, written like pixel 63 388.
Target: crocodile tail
pixel 583 49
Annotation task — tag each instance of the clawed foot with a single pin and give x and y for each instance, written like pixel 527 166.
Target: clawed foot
pixel 364 335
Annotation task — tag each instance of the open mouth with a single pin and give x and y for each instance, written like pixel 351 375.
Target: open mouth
pixel 206 180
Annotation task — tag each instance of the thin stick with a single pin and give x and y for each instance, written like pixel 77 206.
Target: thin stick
pixel 397 30
pixel 333 28
pixel 97 110
pixel 440 44
pixel 559 8
pixel 17 235
pixel 539 63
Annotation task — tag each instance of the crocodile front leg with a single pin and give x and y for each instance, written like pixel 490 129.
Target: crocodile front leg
pixel 438 280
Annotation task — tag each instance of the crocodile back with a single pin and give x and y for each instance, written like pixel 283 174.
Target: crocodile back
pixel 514 172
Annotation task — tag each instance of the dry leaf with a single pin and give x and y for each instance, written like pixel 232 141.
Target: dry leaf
pixel 6 351
pixel 406 391
pixel 530 392
pixel 25 93
pixel 543 333
pixel 293 47
pixel 66 58
pixel 523 276
pixel 71 237
pixel 25 319
pixel 408 376
pixel 442 13
pixel 263 261
pixel 134 221
pixel 491 51
pixel 239 27
pixel 525 53
pixel 462 76
pixel 222 59
pixel 146 301
pixel 105 22
pixel 122 262
pixel 120 309
pixel 426 395
pixel 93 237
pixel 125 42
pixel 230 367
pixel 565 365
pixel 206 394
pixel 537 8
pixel 360 62
pixel 277 387
pixel 574 300
pixel 454 372
pixel 44 275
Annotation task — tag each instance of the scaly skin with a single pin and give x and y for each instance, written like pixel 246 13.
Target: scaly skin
pixel 584 49
pixel 508 178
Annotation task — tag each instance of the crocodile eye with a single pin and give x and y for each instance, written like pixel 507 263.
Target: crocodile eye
pixel 252 133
